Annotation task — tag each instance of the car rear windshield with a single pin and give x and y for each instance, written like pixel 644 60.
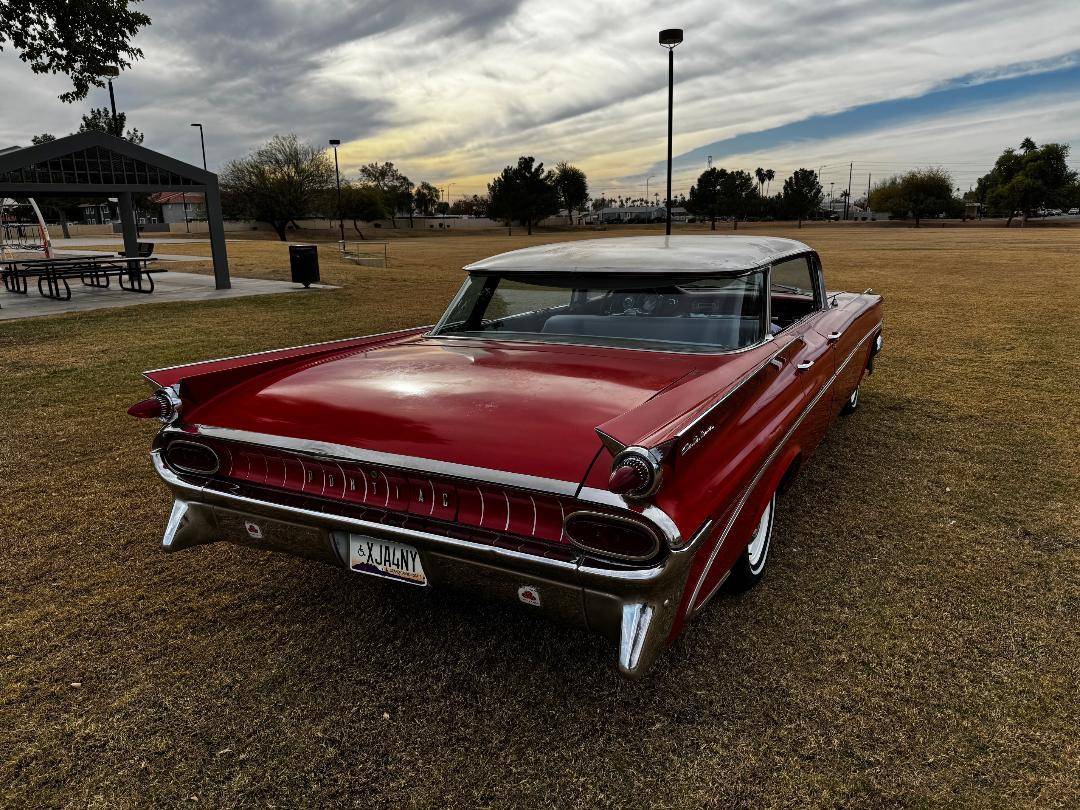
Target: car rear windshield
pixel 662 312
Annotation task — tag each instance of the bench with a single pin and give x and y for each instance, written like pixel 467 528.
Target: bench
pixel 146 249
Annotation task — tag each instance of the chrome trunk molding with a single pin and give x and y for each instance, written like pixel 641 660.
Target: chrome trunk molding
pixel 285 349
pixel 530 483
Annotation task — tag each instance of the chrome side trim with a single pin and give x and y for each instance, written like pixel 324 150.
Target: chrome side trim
pixel 685 431
pixel 284 349
pixel 761 471
pixel 332 451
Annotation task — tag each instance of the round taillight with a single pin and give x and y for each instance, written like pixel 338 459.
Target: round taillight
pixel 192 457
pixel 163 405
pixel 635 473
pixel 611 536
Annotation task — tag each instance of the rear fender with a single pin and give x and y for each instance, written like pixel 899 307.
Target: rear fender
pixel 734 541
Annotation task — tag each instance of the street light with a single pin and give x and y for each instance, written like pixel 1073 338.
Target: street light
pixel 334 142
pixel 669 38
pixel 112 71
pixel 647 179
pixel 202 142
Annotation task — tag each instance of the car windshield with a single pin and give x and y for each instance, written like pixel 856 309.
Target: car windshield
pixel 663 312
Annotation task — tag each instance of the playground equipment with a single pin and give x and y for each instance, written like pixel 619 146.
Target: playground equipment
pixel 19 236
pixel 366 254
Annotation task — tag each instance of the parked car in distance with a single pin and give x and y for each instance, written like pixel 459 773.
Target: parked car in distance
pixel 1074 211
pixel 596 430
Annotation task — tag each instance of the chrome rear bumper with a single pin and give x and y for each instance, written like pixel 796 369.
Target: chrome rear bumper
pixel 633 607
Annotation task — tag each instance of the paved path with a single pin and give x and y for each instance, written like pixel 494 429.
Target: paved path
pixel 88 241
pixel 170 287
pixel 165 257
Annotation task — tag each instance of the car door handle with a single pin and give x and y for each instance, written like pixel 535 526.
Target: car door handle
pixel 832 337
pixel 804 365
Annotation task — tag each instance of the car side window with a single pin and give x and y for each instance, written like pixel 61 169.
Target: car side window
pixel 791 294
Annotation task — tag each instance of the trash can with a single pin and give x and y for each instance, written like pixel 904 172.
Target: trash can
pixel 304 263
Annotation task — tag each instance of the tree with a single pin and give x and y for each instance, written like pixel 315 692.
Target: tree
pixel 524 192
pixel 802 194
pixel 78 38
pixel 572 187
pixel 918 193
pixel 100 119
pixel 1024 181
pixel 361 203
pixel 425 197
pixel 44 137
pixel 474 206
pixel 719 192
pixel 770 175
pixel 396 188
pixel 737 194
pixel 759 174
pixel 705 198
pixel 277 183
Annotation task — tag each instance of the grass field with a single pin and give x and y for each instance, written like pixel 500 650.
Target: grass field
pixel 915 641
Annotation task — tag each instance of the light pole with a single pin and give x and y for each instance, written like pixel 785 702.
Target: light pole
pixel 647 179
pixel 202 142
pixel 335 142
pixel 112 71
pixel 669 38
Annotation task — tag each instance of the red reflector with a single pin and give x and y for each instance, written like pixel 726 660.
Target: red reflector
pixel 611 537
pixel 150 408
pixel 625 479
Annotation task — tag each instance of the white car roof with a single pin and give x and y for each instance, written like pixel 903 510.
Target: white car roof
pixel 645 254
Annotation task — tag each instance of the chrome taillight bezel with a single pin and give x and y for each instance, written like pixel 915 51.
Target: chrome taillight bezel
pixel 184 468
pixel 647 464
pixel 610 518
pixel 170 405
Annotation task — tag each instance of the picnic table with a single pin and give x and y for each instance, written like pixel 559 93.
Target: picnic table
pixel 134 274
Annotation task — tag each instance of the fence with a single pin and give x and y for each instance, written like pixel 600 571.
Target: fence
pixel 366 254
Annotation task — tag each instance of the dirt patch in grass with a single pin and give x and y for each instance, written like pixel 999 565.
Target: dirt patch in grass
pixel 915 640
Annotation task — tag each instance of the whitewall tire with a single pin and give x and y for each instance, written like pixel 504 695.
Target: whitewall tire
pixel 750 567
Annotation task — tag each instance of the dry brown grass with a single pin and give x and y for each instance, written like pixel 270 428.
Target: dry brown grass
pixel 915 641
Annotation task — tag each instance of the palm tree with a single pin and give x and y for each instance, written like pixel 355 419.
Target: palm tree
pixel 759 173
pixel 769 175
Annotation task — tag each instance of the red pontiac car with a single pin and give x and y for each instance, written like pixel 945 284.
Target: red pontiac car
pixel 596 429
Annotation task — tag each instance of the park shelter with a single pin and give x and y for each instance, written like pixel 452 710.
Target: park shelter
pixel 90 164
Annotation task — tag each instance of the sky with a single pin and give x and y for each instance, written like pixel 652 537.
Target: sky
pixel 453 91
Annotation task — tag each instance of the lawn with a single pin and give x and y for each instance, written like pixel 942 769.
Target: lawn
pixel 915 640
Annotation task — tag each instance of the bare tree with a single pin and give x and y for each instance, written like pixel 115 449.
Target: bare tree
pixel 277 183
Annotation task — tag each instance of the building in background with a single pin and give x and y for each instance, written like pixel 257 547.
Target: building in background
pixel 173 207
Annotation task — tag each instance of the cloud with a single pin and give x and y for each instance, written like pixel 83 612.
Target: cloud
pixel 452 92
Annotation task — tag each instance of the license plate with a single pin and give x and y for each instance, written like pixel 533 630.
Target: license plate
pixel 385 558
